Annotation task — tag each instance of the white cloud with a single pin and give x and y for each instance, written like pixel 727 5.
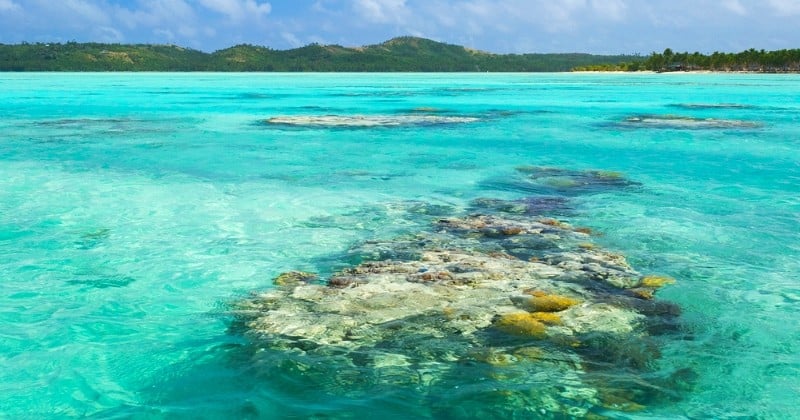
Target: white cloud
pixel 292 39
pixel 157 12
pixel 9 6
pixel 187 31
pixel 734 6
pixel 108 34
pixel 238 10
pixel 85 10
pixel 320 7
pixel 382 11
pixel 610 9
pixel 785 7
pixel 165 34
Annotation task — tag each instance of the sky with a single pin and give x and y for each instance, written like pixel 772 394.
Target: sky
pixel 500 26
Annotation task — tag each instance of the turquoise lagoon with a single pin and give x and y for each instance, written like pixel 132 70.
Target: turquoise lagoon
pixel 136 209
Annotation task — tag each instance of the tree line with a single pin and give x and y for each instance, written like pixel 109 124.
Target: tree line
pixel 752 60
pixel 403 54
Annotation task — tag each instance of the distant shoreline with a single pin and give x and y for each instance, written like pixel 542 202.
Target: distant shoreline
pixel 403 54
pixel 683 72
pixel 397 55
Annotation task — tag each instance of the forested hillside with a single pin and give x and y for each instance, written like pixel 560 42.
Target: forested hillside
pixel 398 54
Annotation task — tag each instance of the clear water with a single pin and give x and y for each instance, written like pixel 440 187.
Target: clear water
pixel 134 208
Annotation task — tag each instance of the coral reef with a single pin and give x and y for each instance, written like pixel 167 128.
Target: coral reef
pixel 683 122
pixel 656 281
pixel 367 121
pixel 542 302
pixel 528 302
pixel 456 289
pixel 521 323
pixel 293 278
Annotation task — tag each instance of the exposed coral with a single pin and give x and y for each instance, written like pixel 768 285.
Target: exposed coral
pixel 521 323
pixel 293 278
pixel 549 303
pixel 657 281
pixel 684 122
pixel 476 282
pixel 366 120
pixel 548 318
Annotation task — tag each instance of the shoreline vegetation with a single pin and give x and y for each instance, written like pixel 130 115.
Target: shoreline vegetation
pixel 402 54
pixel 749 61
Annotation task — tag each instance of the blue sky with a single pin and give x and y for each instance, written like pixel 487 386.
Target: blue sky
pixel 596 26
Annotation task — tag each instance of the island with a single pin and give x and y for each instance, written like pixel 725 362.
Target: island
pixel 402 54
pixel 752 60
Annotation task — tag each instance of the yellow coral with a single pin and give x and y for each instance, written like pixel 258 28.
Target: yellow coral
pixel 548 318
pixel 550 303
pixel 293 278
pixel 657 281
pixel 521 323
pixel 449 312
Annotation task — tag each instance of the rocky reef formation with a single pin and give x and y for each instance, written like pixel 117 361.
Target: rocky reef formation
pixel 367 121
pixel 683 122
pixel 526 302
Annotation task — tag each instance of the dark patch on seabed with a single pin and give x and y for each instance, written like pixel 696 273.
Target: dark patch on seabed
pixel 502 312
pixel 72 122
pixel 559 182
pixel 102 281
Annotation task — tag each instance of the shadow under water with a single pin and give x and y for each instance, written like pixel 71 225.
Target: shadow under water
pixel 559 183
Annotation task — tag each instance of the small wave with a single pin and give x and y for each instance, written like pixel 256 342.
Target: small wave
pixel 367 120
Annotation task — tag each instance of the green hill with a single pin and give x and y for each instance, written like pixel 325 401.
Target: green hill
pixel 399 54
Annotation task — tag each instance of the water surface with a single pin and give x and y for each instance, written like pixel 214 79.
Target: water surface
pixel 135 208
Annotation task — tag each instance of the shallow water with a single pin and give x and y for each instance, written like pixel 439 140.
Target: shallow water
pixel 135 208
